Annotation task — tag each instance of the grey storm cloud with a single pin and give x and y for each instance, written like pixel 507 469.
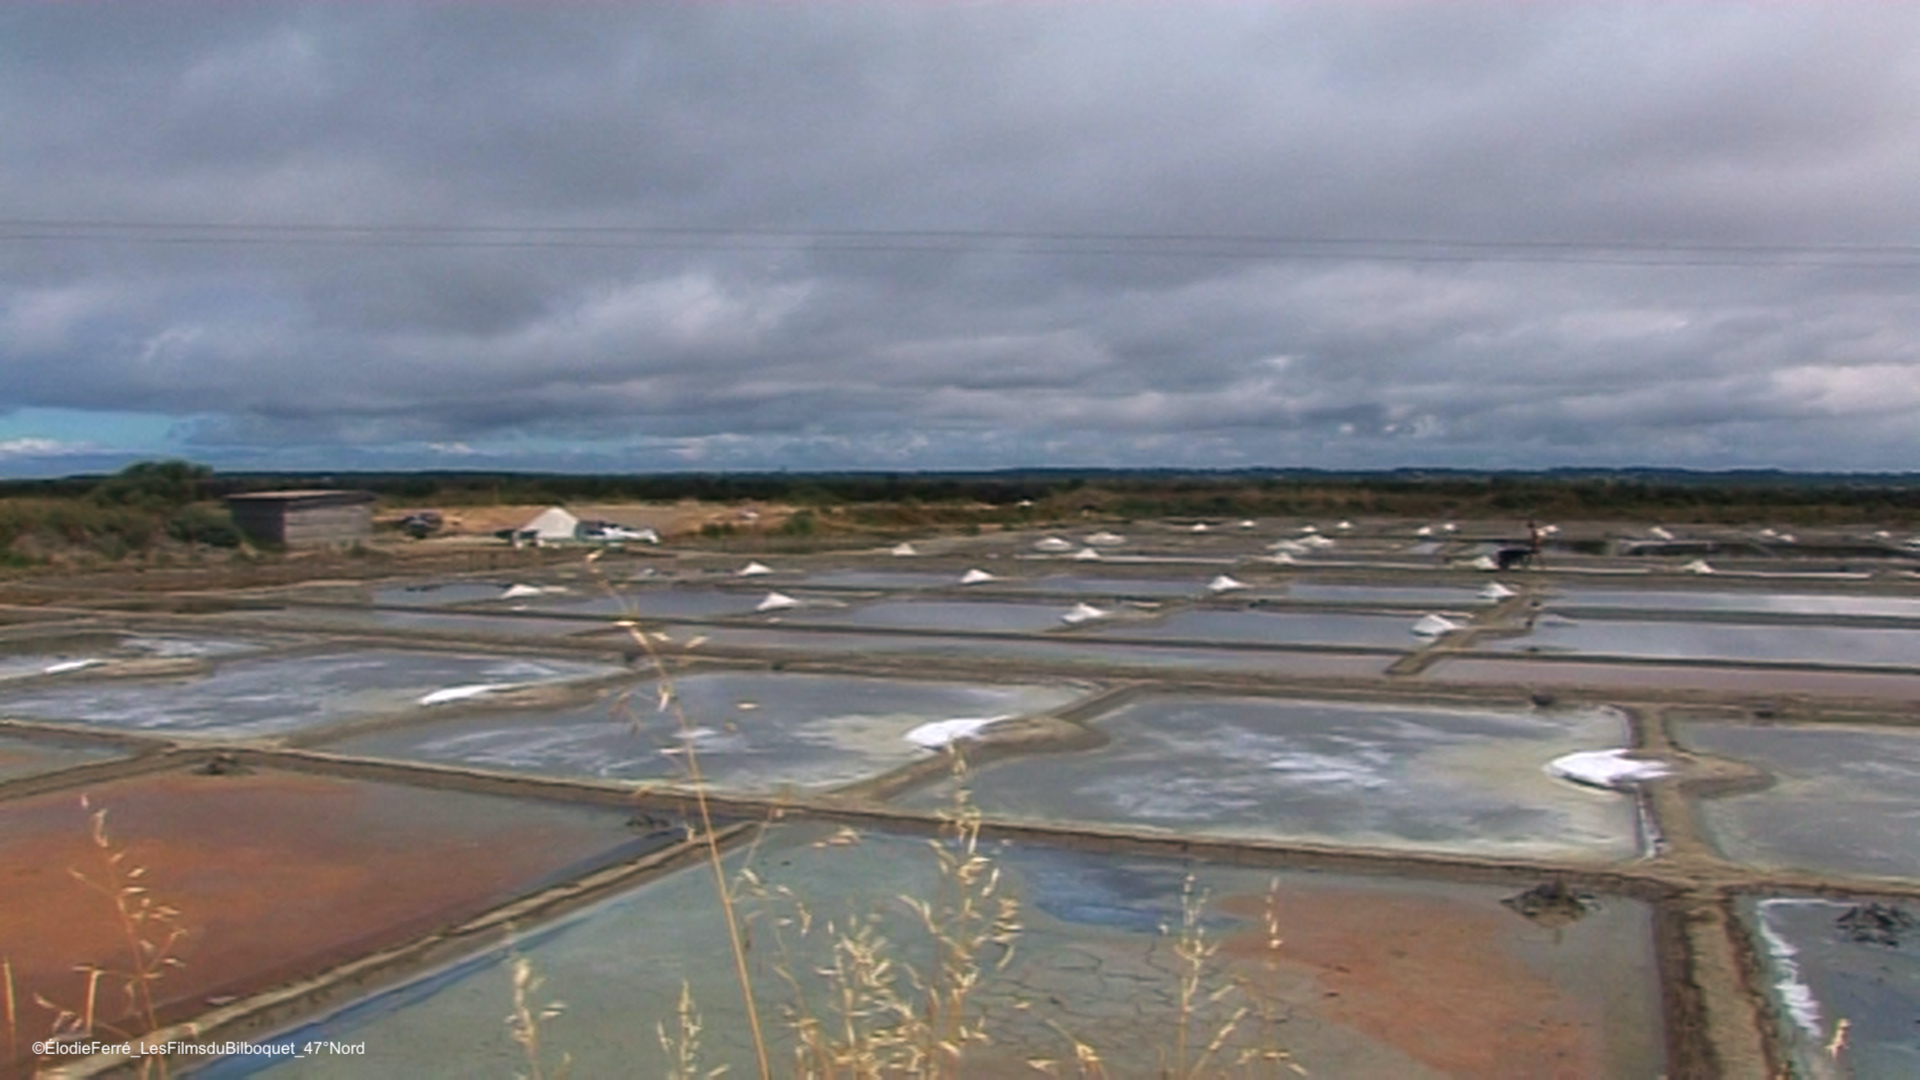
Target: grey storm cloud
pixel 958 235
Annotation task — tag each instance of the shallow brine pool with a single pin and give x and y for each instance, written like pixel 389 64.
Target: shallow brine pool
pixel 1467 781
pixel 1371 976
pixel 750 732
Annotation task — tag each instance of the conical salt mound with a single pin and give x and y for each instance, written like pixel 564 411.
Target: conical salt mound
pixel 1434 626
pixel 1104 538
pixel 1697 566
pixel 1344 526
pixel 1199 526
pixel 1424 530
pixel 1315 540
pixel 975 577
pixel 1293 546
pixel 514 592
pixel 1080 613
pixel 1659 533
pixel 1284 558
pixel 776 602
pixel 1052 543
pixel 1086 554
pixel 1484 562
pixel 754 569
pixel 904 549
pixel 1496 591
pixel 1225 583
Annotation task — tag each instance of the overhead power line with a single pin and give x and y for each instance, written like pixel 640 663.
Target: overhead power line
pixel 957 241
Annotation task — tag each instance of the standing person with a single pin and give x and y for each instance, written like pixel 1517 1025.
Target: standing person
pixel 1533 546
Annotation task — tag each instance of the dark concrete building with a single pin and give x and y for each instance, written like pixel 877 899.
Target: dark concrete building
pixel 303 518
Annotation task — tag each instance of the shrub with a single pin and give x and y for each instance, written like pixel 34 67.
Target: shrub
pixel 153 485
pixel 202 524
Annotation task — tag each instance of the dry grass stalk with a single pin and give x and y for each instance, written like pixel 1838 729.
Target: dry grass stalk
pixel 523 1024
pixel 12 1013
pixel 150 930
pixel 1267 1057
pixel 669 701
pixel 682 1045
pixel 970 916
pixel 1837 1046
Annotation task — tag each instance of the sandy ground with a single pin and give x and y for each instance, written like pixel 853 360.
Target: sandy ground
pixel 668 519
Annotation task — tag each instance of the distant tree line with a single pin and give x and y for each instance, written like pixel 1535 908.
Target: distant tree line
pixel 150 504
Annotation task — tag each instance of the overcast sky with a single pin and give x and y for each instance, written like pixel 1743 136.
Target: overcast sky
pixel 944 234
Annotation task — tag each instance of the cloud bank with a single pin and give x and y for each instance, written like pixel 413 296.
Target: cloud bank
pixel 958 236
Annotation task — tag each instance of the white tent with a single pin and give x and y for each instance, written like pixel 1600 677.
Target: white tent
pixel 548 525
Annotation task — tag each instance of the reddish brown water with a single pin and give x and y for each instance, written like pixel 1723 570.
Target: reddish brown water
pixel 275 875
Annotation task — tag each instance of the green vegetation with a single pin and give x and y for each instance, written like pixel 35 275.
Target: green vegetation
pixel 137 511
pixel 931 499
pixel 153 504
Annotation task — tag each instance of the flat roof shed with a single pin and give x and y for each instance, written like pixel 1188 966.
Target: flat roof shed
pixel 304 518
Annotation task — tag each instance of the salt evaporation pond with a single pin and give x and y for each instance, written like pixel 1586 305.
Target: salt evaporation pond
pixel 1376 976
pixel 1539 671
pixel 1824 961
pixel 1420 596
pixel 1387 776
pixel 251 697
pixel 1717 641
pixel 981 615
pixel 35 757
pixel 1075 585
pixel 881 579
pixel 67 654
pixel 1846 799
pixel 753 732
pixel 440 593
pixel 500 623
pixel 1754 602
pixel 278 876
pixel 1274 628
pixel 1081 653
pixel 664 603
